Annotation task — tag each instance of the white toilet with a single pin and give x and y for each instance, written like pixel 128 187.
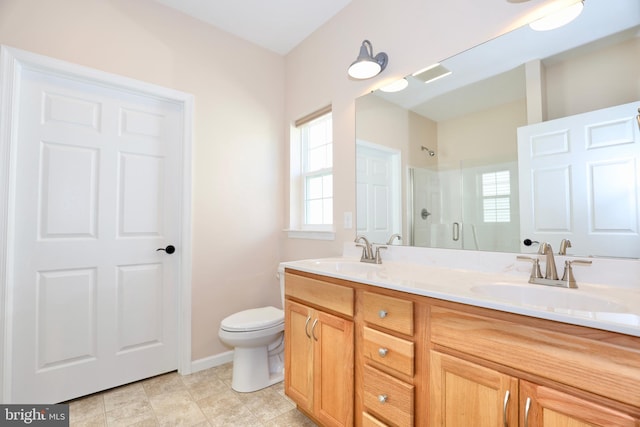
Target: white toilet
pixel 257 336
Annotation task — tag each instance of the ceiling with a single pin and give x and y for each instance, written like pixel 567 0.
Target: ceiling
pixel 277 25
pixel 492 73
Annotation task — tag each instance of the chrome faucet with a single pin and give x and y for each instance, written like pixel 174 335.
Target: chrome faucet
pixel 368 254
pixel 394 236
pixel 551 273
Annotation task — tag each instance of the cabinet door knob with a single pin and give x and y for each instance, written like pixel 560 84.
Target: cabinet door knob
pixel 383 351
pixel 382 314
pixel 382 398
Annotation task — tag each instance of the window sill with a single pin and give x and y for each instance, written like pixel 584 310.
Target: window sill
pixel 311 234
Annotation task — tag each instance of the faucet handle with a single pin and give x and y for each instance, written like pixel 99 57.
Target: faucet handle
pixel 378 258
pixel 568 276
pixel 564 244
pixel 535 270
pixel 364 251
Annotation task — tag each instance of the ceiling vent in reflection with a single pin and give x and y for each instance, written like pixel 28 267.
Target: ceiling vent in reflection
pixel 431 73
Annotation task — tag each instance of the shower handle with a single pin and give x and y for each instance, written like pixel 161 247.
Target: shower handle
pixel 456 231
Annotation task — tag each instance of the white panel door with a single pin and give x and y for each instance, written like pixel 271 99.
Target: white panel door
pixel 97 185
pixel 378 195
pixel 579 177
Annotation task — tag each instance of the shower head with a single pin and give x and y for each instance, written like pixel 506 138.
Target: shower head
pixel 431 152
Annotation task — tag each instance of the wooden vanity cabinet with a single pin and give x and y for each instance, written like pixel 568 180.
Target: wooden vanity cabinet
pixel 388 360
pixel 319 357
pixel 542 406
pixel 463 391
pixel 488 370
pixel 366 356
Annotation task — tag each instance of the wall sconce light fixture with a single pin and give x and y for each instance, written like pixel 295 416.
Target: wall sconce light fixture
pixel 367 65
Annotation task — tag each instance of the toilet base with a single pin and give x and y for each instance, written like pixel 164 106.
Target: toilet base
pixel 251 369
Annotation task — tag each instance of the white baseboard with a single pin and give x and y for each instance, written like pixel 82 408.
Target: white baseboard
pixel 211 361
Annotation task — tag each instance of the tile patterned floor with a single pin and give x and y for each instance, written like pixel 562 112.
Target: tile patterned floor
pixel 204 398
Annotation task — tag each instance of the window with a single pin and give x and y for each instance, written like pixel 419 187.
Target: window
pixel 312 173
pixel 496 192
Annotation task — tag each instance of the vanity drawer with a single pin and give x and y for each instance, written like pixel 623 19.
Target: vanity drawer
pixel 327 295
pixel 392 352
pixel 371 421
pixel 388 312
pixel 388 397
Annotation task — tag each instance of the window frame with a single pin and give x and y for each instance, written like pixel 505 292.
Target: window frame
pixel 299 177
pixel 497 197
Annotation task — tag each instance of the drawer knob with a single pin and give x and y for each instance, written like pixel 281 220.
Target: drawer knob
pixel 382 314
pixel 382 398
pixel 383 351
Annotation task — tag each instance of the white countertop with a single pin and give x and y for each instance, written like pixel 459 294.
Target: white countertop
pixel 593 305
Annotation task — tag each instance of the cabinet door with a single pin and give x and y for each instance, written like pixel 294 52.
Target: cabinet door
pixel 544 406
pixel 463 394
pixel 298 345
pixel 333 370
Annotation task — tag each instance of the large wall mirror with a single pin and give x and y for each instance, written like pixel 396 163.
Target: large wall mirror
pixel 532 136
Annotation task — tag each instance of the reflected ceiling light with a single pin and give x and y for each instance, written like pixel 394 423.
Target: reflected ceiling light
pixel 559 18
pixel 367 65
pixel 396 86
pixel 432 73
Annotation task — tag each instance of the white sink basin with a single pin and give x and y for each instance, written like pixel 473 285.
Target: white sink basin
pixel 549 298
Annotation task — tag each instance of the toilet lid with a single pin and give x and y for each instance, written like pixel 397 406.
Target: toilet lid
pixel 253 319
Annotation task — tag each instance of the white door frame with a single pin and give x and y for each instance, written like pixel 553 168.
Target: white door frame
pixel 12 62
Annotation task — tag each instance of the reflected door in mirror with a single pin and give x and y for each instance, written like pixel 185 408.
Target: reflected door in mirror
pixel 378 192
pixel 582 176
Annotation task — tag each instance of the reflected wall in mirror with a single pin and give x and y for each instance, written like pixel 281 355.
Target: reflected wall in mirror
pixel 441 162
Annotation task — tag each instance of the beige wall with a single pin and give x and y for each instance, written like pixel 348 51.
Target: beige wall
pixel 238 148
pixel 242 117
pixel 414 33
pixel 482 137
pixel 611 74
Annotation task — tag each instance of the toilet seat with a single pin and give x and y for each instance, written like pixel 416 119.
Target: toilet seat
pixel 254 319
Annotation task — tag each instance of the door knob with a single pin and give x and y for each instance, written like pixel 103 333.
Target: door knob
pixel 169 249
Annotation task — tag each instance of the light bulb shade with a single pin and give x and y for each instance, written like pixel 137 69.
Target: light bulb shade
pixel 364 69
pixel 559 18
pixel 396 86
pixel 367 66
